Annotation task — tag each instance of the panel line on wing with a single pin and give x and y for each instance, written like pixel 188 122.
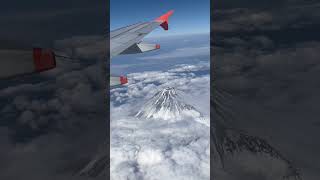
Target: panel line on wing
pixel 137 26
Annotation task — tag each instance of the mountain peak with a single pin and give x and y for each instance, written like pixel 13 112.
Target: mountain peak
pixel 166 104
pixel 169 91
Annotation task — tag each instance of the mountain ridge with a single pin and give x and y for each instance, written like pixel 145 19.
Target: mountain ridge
pixel 167 105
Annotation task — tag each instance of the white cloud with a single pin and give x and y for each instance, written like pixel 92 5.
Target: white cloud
pixel 156 149
pixel 149 157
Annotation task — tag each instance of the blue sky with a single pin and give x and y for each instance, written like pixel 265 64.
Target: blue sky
pixel 190 16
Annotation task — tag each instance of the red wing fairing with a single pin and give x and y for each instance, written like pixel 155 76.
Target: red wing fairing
pixel 21 62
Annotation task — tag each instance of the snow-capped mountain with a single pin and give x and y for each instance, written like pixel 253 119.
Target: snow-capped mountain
pixel 258 153
pixel 168 105
pixel 242 155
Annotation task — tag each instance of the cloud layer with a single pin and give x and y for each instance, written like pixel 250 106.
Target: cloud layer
pixel 268 60
pixel 52 123
pixel 157 149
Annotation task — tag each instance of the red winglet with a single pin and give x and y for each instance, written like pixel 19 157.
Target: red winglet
pixel 43 59
pixel 164 19
pixel 157 46
pixel 123 80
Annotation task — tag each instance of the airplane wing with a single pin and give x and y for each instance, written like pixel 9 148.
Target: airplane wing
pixel 127 40
pixel 18 62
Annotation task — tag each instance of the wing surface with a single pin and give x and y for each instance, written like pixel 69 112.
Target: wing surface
pixel 123 38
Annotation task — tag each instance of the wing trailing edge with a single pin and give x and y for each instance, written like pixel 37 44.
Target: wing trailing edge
pixel 141 48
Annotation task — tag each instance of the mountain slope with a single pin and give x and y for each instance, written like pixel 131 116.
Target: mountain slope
pixel 242 155
pixel 167 105
pixel 258 153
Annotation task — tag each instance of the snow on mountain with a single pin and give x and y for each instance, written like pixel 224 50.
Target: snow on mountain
pixel 244 156
pixel 168 105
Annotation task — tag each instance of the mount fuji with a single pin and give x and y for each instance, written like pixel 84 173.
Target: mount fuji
pixel 241 155
pixel 168 105
pixel 244 155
